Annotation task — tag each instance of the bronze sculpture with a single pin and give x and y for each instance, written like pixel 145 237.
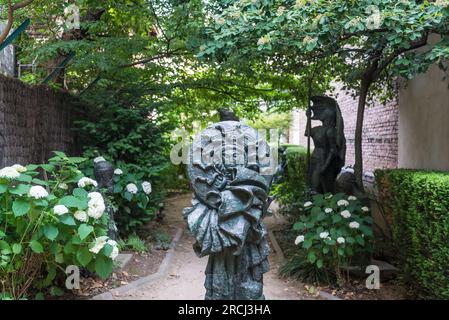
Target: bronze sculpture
pixel 104 174
pixel 328 156
pixel 231 187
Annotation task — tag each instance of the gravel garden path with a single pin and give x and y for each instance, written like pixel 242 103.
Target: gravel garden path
pixel 185 274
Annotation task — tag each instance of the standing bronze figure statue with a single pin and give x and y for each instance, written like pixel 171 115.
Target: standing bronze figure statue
pixel 231 182
pixel 329 154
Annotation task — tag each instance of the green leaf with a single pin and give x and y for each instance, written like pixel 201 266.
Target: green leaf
pixel 80 193
pixel 311 257
pixel 40 182
pixel 70 202
pixel 16 248
pixel 298 226
pixel 84 230
pixel 84 256
pixel 319 263
pixel 307 244
pixel 128 196
pixel 48 167
pixel 36 246
pixel 2 234
pixel 67 219
pixel 3 188
pixel 20 189
pixel 51 232
pixel 20 207
pixel 25 178
pixel 77 160
pixel 103 267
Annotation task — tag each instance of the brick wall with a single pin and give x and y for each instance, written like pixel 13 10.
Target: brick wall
pixel 380 133
pixel 34 120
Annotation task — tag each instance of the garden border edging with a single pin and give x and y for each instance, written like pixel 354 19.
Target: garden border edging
pixel 162 271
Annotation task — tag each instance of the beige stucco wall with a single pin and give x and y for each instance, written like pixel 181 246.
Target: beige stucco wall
pixel 424 122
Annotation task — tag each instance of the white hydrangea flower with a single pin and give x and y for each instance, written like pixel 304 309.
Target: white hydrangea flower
pixel 308 204
pixel 118 172
pixel 299 239
pixel 132 188
pixel 340 240
pixel 9 173
pixel 354 225
pixel 342 203
pixel 60 210
pixel 81 216
pixel 328 210
pixel 63 186
pixel 96 205
pixel 99 244
pixel 146 186
pixel 37 192
pixel 85 181
pixel 345 214
pixel 19 168
pixel 324 235
pixel 352 198
pixel 99 159
pixel 365 209
pixel 308 40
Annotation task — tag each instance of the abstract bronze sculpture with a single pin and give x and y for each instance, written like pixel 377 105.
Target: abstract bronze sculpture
pixel 328 156
pixel 231 183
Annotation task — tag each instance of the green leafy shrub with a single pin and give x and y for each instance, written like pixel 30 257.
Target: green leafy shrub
pixel 49 224
pixel 134 199
pixel 418 204
pixel 291 190
pixel 333 231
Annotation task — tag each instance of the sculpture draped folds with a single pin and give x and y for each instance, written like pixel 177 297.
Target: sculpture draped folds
pixel 230 200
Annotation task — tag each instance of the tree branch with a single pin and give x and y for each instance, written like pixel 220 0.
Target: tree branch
pixel 11 9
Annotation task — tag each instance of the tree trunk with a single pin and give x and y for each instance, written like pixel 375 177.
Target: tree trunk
pixel 358 167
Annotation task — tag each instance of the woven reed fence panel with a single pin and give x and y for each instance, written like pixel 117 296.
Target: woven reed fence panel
pixel 34 121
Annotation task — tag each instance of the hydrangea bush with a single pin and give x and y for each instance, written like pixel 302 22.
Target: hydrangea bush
pixel 51 217
pixel 334 230
pixel 133 198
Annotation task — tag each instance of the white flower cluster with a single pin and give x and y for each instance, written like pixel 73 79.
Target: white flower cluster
pixel 299 239
pixel 352 198
pixel 308 40
pixel 342 203
pixel 118 172
pixel 85 181
pixel 324 235
pixel 341 240
pixel 146 186
pixel 308 204
pixel 81 216
pixel 354 225
pixel 365 209
pixel 60 210
pixel 345 214
pixel 99 244
pixel 37 192
pixel 19 168
pixel 9 173
pixel 280 11
pixel 328 210
pixel 95 206
pixel 442 3
pixel 132 188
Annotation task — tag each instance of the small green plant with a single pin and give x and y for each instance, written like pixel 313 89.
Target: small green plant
pixel 334 230
pixel 163 240
pixel 48 224
pixel 134 243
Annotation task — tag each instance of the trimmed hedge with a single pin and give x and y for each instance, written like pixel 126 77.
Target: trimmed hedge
pixel 418 204
pixel 290 190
